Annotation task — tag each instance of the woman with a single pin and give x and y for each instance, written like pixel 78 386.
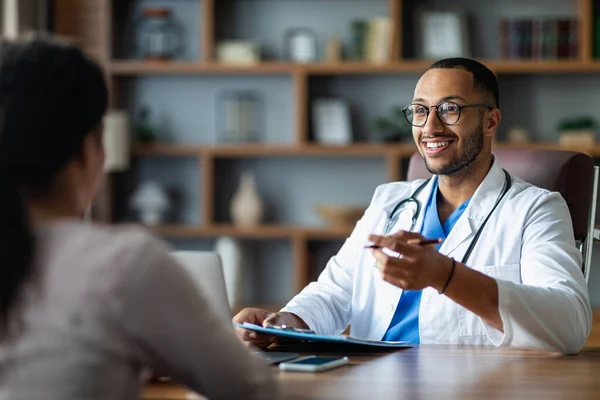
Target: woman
pixel 85 309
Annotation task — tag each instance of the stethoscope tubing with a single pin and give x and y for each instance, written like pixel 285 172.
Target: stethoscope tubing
pixel 412 199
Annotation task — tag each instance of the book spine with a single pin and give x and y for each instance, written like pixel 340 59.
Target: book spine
pixel 359 30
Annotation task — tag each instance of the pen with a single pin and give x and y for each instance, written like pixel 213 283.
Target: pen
pixel 420 243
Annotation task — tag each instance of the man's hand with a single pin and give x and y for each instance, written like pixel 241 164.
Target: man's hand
pixel 264 318
pixel 423 266
pixel 418 266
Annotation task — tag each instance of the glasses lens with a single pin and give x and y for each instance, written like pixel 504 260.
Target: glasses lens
pixel 416 114
pixel 448 112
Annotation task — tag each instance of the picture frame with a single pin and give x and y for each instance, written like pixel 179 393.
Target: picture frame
pixel 331 121
pixel 442 33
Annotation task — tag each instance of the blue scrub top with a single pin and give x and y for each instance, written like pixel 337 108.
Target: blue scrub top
pixel 405 323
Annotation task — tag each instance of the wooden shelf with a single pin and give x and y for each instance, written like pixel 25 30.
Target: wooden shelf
pixel 592 151
pixel 132 68
pixel 351 68
pixel 334 232
pixel 355 150
pixel 259 232
pixel 312 150
pixel 128 68
pixel 166 150
pixel 262 150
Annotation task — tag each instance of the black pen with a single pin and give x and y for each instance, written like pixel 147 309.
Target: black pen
pixel 423 242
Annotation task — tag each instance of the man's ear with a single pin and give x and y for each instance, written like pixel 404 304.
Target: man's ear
pixel 492 122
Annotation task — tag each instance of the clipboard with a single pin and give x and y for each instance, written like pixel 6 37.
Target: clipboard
pixel 313 337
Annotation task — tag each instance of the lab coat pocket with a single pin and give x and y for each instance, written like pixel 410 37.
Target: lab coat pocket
pixel 469 323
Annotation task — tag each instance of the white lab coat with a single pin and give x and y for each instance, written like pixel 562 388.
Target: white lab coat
pixel 527 245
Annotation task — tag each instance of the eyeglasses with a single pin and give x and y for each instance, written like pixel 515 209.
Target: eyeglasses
pixel 448 112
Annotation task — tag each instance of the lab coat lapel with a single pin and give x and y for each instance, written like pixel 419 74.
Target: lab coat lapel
pixel 390 293
pixel 480 206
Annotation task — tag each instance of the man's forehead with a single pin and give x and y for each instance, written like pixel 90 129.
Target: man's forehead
pixel 445 83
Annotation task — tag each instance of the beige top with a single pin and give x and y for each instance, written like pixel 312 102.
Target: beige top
pixel 105 304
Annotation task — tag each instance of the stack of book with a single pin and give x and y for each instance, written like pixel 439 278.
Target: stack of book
pixel 371 40
pixel 539 39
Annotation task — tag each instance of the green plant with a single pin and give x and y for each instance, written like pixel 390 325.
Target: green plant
pixel 394 126
pixel 577 124
pixel 144 131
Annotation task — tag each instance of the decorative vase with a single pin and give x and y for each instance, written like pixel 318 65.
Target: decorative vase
pixel 246 206
pixel 152 203
pixel 231 253
pixel 116 141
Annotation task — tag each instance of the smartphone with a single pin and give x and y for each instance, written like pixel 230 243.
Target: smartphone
pixel 313 364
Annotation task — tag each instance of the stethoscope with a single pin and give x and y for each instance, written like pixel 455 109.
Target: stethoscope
pixel 416 211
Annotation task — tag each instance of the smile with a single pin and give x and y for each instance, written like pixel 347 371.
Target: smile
pixel 435 145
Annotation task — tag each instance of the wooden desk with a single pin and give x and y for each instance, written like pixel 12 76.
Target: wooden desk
pixel 435 372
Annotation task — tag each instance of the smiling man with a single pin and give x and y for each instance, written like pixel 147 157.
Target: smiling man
pixel 507 271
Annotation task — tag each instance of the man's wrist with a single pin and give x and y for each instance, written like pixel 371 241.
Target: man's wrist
pixel 445 271
pixel 450 276
pixel 293 320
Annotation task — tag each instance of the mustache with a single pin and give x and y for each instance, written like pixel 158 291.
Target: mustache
pixel 425 137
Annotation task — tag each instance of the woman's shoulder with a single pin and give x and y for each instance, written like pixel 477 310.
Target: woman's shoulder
pixel 100 235
pixel 100 248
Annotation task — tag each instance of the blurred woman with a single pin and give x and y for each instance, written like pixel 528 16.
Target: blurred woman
pixel 83 308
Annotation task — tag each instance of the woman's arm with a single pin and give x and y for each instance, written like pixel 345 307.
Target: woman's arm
pixel 176 333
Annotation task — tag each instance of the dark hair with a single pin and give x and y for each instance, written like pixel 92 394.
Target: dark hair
pixel 51 97
pixel 483 78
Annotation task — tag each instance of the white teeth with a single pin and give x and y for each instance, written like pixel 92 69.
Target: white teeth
pixel 434 145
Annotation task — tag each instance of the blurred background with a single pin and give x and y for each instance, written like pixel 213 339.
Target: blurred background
pixel 260 128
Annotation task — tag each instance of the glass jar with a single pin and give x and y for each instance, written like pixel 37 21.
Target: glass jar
pixel 158 35
pixel 240 116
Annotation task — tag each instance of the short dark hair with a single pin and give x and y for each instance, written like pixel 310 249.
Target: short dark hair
pixel 483 78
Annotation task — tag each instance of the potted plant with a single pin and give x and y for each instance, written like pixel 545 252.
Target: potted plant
pixel 577 131
pixel 393 127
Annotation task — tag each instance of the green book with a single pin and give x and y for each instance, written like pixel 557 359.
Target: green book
pixel 358 31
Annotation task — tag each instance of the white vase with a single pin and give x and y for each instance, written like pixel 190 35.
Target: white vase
pixel 116 141
pixel 151 202
pixel 246 205
pixel 231 253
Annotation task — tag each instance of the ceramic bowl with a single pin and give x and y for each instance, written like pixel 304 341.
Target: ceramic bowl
pixel 340 215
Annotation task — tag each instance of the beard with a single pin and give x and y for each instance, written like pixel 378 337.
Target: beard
pixel 464 161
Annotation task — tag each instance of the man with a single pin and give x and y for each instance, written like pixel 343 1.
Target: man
pixel 507 273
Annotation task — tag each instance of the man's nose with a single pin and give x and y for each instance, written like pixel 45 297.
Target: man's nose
pixel 433 124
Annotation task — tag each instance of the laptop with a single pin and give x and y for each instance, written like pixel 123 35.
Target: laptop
pixel 206 271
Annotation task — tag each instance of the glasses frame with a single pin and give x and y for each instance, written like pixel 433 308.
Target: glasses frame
pixel 428 108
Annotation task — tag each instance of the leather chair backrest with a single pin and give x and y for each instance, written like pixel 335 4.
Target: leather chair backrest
pixel 568 172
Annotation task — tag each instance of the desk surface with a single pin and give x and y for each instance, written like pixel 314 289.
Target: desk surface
pixel 441 372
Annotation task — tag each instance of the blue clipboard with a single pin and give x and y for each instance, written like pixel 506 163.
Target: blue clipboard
pixel 312 337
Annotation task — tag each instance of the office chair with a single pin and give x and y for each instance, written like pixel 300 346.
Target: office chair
pixel 570 173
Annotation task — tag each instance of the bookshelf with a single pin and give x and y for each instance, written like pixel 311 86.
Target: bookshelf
pixel 291 88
